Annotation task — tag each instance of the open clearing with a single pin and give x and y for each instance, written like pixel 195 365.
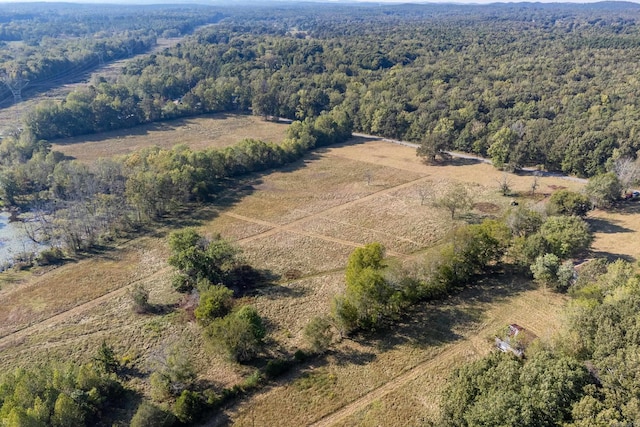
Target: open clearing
pixel 305 219
pixel 198 133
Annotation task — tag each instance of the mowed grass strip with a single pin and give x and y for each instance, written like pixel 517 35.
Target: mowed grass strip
pixel 198 133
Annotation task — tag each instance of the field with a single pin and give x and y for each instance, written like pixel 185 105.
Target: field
pixel 305 218
pixel 208 131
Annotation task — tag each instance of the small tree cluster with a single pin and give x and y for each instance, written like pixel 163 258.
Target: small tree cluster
pixel 239 335
pixel 368 297
pixel 56 395
pixel 562 236
pixel 570 203
pixel 197 258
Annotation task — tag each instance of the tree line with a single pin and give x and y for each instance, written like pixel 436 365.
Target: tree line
pixel 522 85
pixel 74 205
pixel 55 44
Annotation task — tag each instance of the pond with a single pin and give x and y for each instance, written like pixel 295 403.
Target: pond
pixel 13 239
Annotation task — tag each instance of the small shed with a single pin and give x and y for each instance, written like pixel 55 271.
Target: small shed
pixel 515 340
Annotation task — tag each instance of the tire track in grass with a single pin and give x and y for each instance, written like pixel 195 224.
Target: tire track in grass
pixel 20 334
pixel 279 228
pixel 497 314
pixel 333 209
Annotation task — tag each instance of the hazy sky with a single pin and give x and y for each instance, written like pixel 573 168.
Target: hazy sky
pixel 306 1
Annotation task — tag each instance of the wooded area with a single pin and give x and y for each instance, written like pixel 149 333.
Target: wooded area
pixel 552 86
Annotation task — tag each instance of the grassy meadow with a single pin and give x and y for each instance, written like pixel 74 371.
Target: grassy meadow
pixel 305 219
pixel 198 133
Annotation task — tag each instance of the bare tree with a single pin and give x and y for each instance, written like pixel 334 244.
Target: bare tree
pixel 534 185
pixel 628 172
pixel 425 193
pixel 504 184
pixel 368 176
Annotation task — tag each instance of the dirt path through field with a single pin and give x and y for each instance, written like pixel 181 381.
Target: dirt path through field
pixel 334 209
pixel 472 345
pixel 67 314
pixel 276 228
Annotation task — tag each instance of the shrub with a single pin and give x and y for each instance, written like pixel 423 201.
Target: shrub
pixel 214 302
pixel 603 190
pixel 318 334
pixel 276 367
pixel 149 415
pixel 49 257
pixel 140 299
pixel 160 387
pixel 565 202
pixel 189 406
pixel 238 334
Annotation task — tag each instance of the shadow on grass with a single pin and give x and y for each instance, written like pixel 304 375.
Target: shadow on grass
pixel 435 323
pixel 275 291
pixel 611 257
pixel 608 226
pixel 626 207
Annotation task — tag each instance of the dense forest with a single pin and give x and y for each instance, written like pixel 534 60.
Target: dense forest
pixel 552 86
pixel 523 84
pixel 54 44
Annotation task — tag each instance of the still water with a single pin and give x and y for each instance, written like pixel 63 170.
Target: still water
pixel 13 239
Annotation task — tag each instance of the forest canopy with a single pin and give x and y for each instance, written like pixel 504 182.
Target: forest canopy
pixel 549 85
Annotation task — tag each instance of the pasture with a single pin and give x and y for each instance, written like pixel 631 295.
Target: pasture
pixel 198 133
pixel 305 218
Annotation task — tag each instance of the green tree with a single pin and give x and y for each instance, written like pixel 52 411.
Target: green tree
pixel 567 202
pixel 197 258
pixel 454 198
pixel 368 296
pixel 566 236
pixel 67 412
pixel 545 270
pixel 502 146
pixel 106 359
pixel 603 190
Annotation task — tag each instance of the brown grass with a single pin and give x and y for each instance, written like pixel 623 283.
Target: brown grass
pixel 413 361
pixel 208 131
pixel 305 217
pixel 617 231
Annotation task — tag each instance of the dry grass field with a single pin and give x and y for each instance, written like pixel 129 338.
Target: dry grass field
pixel 198 133
pixel 305 218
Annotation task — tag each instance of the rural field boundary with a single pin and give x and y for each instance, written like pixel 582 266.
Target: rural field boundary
pixel 22 333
